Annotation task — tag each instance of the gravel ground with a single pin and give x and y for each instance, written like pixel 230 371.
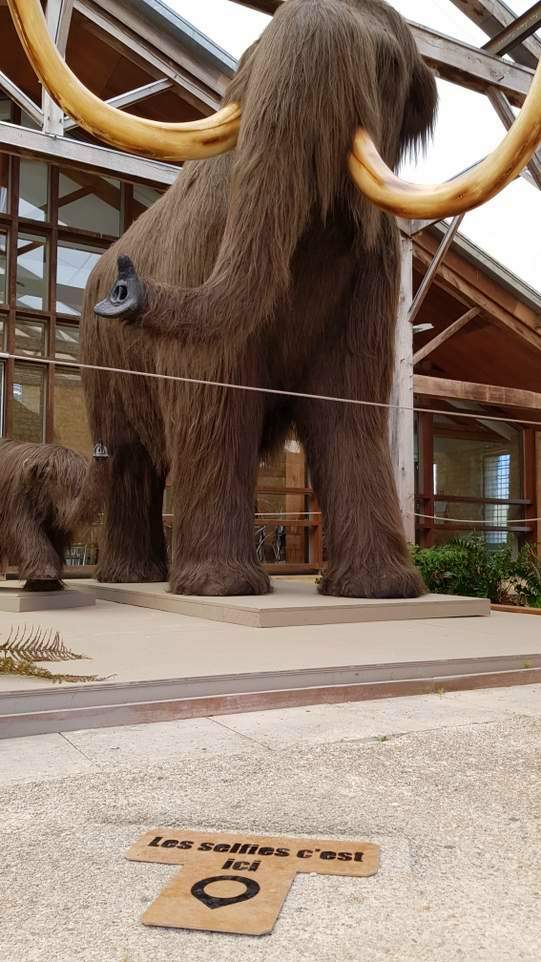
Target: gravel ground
pixel 453 798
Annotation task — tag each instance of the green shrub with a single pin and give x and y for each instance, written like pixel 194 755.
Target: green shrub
pixel 468 567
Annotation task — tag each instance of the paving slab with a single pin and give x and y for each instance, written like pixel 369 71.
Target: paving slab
pixel 351 722
pixel 457 812
pixel 39 757
pixel 521 699
pixel 133 744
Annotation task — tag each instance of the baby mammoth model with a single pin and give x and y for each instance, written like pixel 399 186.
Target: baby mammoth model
pixel 264 267
pixel 46 491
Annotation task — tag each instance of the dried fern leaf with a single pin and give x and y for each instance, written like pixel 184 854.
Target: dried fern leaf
pixel 25 668
pixel 37 644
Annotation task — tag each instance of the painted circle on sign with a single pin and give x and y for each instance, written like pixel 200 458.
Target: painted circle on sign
pixel 251 889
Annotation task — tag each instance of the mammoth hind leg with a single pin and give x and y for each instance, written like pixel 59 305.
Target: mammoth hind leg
pixel 133 544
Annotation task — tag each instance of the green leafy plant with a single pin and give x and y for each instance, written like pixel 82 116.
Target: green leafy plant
pixel 19 654
pixel 467 566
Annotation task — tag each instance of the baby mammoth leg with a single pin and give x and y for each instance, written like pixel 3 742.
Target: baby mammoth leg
pixel 39 562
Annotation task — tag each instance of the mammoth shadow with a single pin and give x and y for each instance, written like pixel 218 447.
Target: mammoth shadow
pixel 46 492
pixel 264 267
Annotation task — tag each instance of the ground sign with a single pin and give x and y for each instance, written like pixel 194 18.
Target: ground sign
pixel 238 883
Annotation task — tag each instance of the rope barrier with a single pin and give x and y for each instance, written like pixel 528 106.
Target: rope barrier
pixel 262 390
pixel 4 355
pixel 416 514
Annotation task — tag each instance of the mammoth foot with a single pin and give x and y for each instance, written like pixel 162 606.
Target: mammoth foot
pixel 126 298
pixel 125 574
pixel 44 584
pixel 397 582
pixel 220 580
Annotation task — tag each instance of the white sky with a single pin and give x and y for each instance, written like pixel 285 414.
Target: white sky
pixel 467 127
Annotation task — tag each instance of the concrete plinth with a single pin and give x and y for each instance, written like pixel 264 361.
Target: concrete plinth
pixel 290 605
pixel 13 598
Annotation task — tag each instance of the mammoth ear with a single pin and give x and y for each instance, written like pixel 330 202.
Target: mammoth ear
pixel 421 108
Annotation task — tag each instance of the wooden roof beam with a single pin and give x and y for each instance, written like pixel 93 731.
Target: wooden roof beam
pixel 20 98
pixel 482 393
pixel 72 153
pixel 131 97
pixel 493 16
pixel 455 61
pixel 516 32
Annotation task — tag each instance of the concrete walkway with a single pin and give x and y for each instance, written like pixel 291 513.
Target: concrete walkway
pixel 449 785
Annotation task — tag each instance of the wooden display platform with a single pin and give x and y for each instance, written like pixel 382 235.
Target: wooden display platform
pixel 290 605
pixel 14 599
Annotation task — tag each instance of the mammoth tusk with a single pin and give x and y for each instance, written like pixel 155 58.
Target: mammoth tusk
pixel 380 185
pixel 193 140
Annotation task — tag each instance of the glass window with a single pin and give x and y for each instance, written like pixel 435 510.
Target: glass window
pixel 484 467
pixel 144 197
pixel 5 109
pixel 30 337
pixel 4 183
pixel 33 190
pixel 28 402
pixel 2 332
pixel 3 268
pixel 67 344
pixel 32 272
pixel 28 121
pixel 74 264
pixel 89 202
pixel 70 419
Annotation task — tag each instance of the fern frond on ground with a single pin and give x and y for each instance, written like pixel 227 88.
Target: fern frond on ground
pixel 37 644
pixel 23 648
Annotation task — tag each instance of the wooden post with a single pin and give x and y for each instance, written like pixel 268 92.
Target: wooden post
pixel 426 477
pixel 295 478
pixel 401 422
pixel 58 14
pixel 538 487
pixel 530 481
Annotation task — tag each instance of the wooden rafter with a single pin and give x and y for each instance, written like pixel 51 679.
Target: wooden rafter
pixel 444 336
pixel 519 30
pixel 467 285
pixel 493 16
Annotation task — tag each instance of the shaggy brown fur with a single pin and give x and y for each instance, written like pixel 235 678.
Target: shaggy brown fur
pixel 267 267
pixel 46 491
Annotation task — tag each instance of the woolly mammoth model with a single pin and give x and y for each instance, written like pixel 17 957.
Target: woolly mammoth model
pixel 266 267
pixel 46 491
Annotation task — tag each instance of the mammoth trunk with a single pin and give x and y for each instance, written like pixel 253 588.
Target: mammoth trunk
pixel 304 89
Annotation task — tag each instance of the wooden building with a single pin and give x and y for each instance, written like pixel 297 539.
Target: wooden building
pixel 470 344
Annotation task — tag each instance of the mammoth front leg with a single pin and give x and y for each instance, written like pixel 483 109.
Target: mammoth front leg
pixel 40 561
pixel 133 544
pixel 348 447
pixel 350 464
pixel 214 482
